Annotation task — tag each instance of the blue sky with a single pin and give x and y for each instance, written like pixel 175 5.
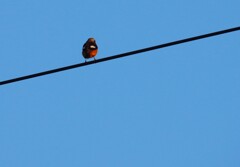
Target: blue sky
pixel 177 106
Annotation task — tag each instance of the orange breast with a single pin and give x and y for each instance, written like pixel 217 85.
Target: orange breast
pixel 93 53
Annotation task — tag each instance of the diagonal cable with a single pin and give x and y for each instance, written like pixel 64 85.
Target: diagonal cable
pixel 120 55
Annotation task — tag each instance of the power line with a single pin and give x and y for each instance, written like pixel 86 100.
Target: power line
pixel 120 55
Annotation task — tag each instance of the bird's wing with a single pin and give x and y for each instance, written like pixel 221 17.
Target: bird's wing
pixel 84 46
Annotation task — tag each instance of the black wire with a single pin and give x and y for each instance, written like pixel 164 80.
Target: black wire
pixel 120 55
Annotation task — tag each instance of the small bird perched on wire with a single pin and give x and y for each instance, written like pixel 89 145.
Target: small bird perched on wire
pixel 90 49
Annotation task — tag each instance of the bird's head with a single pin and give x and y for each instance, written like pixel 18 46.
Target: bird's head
pixel 91 40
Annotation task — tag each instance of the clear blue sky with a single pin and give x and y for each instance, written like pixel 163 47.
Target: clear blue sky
pixel 173 107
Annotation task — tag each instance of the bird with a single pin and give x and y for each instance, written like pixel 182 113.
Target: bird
pixel 90 49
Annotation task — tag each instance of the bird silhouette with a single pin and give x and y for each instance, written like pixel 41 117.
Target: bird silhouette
pixel 90 49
